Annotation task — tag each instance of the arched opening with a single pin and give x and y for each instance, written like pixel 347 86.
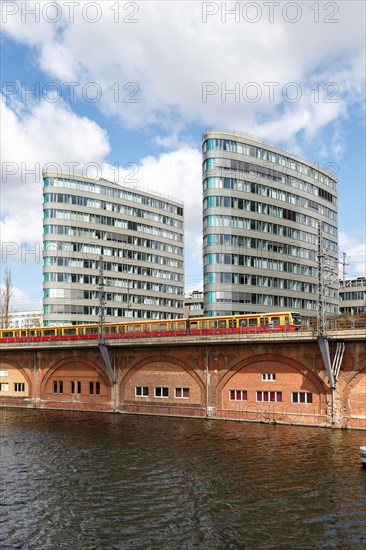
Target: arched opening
pixel 13 381
pixel 162 385
pixel 76 381
pixel 272 389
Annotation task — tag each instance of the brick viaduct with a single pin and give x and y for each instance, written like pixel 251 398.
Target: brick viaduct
pixel 263 378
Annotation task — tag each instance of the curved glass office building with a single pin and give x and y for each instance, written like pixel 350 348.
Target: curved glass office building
pixel 262 211
pixel 137 234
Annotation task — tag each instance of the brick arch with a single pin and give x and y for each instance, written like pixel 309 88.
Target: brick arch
pixel 354 404
pixel 292 363
pixel 8 362
pixel 167 360
pixel 78 360
pixel 248 378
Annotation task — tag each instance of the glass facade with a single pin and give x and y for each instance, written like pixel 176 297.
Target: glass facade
pixel 261 213
pixel 139 236
pixel 352 296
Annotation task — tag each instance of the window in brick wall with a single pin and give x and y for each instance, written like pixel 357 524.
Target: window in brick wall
pixel 302 397
pixel 4 386
pixel 181 393
pixel 75 387
pixel 141 391
pixel 58 386
pixel 161 392
pixel 269 376
pixel 238 395
pixel 94 388
pixel 269 396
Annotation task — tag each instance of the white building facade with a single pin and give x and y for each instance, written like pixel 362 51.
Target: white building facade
pixel 262 211
pixel 138 237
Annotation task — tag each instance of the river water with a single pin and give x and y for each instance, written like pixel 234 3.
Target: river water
pixel 102 481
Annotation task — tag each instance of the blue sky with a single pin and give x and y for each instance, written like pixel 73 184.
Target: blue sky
pixel 148 78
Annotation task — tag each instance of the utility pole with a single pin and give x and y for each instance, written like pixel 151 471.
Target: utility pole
pixel 326 263
pixel 344 264
pixel 102 302
pixel 101 340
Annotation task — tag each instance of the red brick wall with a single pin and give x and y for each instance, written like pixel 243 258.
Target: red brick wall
pixel 287 380
pixel 298 367
pixel 164 372
pixel 75 370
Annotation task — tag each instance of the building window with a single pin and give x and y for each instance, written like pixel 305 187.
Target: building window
pixel 161 392
pixel 182 393
pixel 4 386
pixel 141 391
pixel 75 386
pixel 266 396
pixel 269 376
pixel 238 395
pixel 94 388
pixel 19 386
pixel 302 397
pixel 58 386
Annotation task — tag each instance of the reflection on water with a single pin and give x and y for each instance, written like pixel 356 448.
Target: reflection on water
pixel 102 481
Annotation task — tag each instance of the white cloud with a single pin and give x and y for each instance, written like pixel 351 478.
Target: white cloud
pixel 355 248
pixel 170 52
pixel 44 133
pixel 21 301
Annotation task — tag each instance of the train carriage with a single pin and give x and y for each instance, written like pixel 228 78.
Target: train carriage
pixel 248 323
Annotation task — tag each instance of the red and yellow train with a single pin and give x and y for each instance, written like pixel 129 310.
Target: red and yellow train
pixel 231 324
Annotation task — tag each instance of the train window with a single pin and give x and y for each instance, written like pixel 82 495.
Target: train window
pixel 121 329
pixel 49 332
pixel 181 325
pixel 162 327
pixel 137 328
pixel 286 320
pixel 221 323
pixel 8 334
pixel 146 328
pixel 243 323
pixel 253 322
pixel 129 328
pixel 91 330
pixel 69 331
pixel 276 320
pixel 212 324
pixel 262 321
pixel 33 333
pixel 232 323
pixel 296 318
pixel 203 325
pixel 154 327
pixel 194 325
pixel 23 333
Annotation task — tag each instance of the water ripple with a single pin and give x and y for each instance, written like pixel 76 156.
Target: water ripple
pixel 90 481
